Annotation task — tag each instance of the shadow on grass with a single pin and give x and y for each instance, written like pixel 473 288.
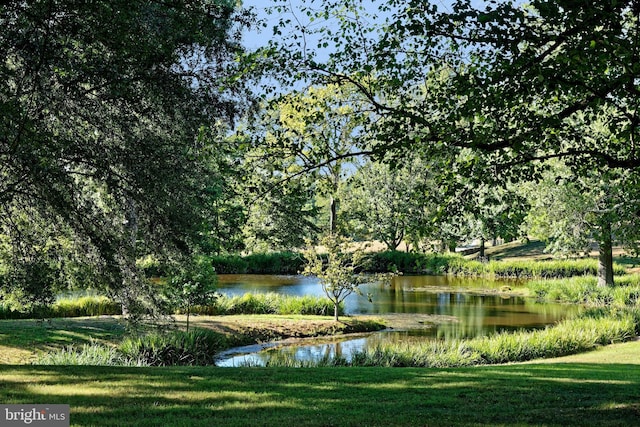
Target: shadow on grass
pixel 549 394
pixel 534 248
pixel 34 335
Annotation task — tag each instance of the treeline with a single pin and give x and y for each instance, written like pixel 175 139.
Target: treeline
pixel 416 263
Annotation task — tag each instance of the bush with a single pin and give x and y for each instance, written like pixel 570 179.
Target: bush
pixel 410 262
pixel 271 263
pixel 229 264
pixel 275 263
pixel 196 347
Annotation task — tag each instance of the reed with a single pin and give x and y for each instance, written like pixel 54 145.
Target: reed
pixel 175 348
pixel 527 269
pixel 66 307
pixel 592 329
pixel 94 354
pixel 269 303
pixel 585 290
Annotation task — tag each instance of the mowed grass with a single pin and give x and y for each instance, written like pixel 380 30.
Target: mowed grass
pixel 21 340
pixel 589 389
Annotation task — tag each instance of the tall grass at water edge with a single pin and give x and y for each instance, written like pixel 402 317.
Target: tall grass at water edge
pixel 197 347
pixel 417 263
pixel 269 303
pixel 66 307
pixel 586 332
pixel 585 290
pixel 246 304
pixel 527 269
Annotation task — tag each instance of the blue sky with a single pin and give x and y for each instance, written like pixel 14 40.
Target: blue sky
pixel 255 39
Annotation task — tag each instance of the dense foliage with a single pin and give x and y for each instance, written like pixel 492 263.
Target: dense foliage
pixel 103 107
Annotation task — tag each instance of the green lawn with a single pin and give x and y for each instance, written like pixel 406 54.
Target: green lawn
pixel 590 389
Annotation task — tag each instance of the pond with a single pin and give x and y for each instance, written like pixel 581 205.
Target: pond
pixel 438 307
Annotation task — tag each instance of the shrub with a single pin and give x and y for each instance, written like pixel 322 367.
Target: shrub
pixel 196 347
pixel 229 264
pixel 275 263
pixel 411 262
pixel 271 263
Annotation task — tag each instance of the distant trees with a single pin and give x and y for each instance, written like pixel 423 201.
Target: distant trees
pixel 571 212
pixel 505 87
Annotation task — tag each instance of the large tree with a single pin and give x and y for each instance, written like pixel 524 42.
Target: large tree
pixel 319 128
pixel 101 105
pixel 518 84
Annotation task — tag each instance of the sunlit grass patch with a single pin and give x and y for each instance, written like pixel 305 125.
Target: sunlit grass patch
pixel 538 394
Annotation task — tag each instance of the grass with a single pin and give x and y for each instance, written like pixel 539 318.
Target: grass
pixel 92 305
pixel 585 290
pixel 23 340
pixel 270 303
pixel 582 390
pixel 591 329
pixel 527 269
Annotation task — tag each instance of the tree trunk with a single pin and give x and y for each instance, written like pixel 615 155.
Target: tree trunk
pixel 482 242
pixel 129 258
pixel 188 314
pixel 333 219
pixel 335 312
pixel 605 258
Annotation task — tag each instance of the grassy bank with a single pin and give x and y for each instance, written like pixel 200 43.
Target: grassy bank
pixel 66 307
pixel 270 303
pixel 585 290
pixel 418 263
pixel 590 330
pixel 22 341
pixel 570 392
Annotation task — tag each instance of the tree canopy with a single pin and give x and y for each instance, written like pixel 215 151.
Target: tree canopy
pixel 101 106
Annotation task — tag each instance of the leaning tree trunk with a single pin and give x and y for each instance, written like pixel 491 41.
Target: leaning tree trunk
pixel 605 258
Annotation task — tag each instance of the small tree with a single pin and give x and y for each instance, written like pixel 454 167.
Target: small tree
pixel 340 275
pixel 193 284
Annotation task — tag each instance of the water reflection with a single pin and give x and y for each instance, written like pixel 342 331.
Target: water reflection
pixel 475 313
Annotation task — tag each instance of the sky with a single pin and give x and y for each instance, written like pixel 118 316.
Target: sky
pixel 255 39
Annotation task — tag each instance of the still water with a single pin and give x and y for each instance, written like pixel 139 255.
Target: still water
pixel 463 308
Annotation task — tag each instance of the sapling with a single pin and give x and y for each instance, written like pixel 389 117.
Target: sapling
pixel 341 274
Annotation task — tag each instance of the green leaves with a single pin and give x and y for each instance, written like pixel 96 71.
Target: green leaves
pixel 99 144
pixel 340 271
